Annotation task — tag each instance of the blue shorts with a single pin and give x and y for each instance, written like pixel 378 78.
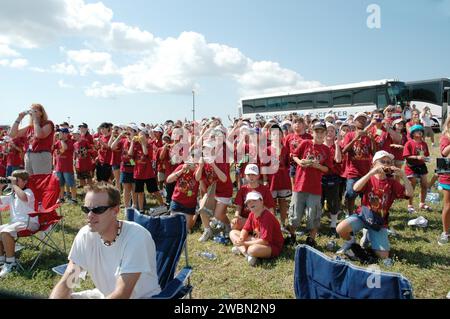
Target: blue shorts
pixel 444 186
pixel 378 239
pixel 115 167
pixel 292 170
pixel 178 208
pixel 349 192
pixel 126 178
pixel 66 179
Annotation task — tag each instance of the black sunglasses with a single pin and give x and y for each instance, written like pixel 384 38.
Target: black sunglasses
pixel 96 210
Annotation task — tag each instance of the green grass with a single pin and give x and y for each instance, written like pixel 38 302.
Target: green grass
pixel 416 254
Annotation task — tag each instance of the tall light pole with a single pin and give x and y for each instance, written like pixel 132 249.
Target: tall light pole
pixel 193 105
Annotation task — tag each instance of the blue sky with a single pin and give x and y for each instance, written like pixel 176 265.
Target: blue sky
pixel 123 61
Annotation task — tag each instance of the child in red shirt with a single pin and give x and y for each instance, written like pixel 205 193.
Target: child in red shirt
pixel 313 159
pixel 64 164
pixel 252 177
pixel 261 236
pixel 83 159
pixel 444 183
pixel 416 154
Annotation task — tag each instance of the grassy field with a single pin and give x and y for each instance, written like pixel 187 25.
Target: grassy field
pixel 415 252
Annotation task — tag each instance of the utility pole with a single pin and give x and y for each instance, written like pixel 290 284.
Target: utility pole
pixel 193 105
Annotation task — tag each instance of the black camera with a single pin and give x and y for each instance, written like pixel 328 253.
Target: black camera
pixel 388 172
pixel 4 180
pixel 443 166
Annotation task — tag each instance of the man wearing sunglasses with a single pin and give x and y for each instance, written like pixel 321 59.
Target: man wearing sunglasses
pixel 119 256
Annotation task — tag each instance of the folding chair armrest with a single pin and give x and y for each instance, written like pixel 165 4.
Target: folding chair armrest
pixel 60 270
pixel 176 285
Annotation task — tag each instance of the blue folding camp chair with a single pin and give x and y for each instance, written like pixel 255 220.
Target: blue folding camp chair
pixel 169 234
pixel 319 277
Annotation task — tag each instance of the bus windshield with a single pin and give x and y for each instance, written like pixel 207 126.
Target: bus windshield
pixel 398 93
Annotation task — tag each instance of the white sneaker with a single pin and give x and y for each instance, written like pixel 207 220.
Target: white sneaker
pixel 345 247
pixel 236 251
pixel 419 222
pixel 207 235
pixel 252 260
pixel 7 268
pixel 411 210
pixel 443 239
pixel 365 241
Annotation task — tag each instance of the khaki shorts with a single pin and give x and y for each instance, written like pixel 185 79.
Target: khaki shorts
pixel 305 204
pixel 428 132
pixel 13 228
pixel 38 163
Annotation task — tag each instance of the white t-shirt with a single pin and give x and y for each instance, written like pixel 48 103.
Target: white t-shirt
pixel 133 252
pixel 20 209
pixel 426 120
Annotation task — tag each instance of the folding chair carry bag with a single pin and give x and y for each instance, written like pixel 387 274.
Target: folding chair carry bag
pixel 319 277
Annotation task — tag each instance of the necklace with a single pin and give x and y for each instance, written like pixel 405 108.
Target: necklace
pixel 109 243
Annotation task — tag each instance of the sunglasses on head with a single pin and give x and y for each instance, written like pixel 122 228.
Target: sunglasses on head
pixel 96 210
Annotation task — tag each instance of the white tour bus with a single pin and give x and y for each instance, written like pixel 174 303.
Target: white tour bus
pixel 431 93
pixel 343 100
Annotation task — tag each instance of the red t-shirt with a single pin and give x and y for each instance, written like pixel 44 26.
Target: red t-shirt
pixel 15 157
pixel 64 160
pixel 242 194
pixel 309 179
pixel 116 156
pixel 292 141
pixel 83 158
pixel 382 138
pixel 143 168
pixel 223 189
pixel 2 162
pixel 378 195
pixel 266 227
pixel 413 148
pixel 398 152
pixel 186 188
pixel 88 137
pixel 280 180
pixel 337 168
pixel 445 141
pixel 104 151
pixel 37 144
pixel 125 165
pixel 359 156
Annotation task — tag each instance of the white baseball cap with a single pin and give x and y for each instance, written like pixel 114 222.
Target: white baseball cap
pixel 382 154
pixel 361 114
pixel 133 127
pixel 251 169
pixel 253 196
pixel 158 129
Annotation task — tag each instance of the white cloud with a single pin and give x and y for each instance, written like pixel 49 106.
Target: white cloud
pixel 15 64
pixel 171 65
pixel 64 85
pixel 6 51
pixel 89 61
pixel 64 68
pixel 269 77
pixel 106 91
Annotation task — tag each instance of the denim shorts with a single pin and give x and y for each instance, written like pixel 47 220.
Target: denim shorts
pixel 349 192
pixel 292 170
pixel 126 178
pixel 378 239
pixel 178 208
pixel 66 179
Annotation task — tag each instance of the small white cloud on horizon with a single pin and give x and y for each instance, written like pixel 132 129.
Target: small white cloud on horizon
pixel 14 64
pixel 98 90
pixel 64 85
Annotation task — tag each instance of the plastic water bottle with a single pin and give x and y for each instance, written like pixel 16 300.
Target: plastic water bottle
pixel 208 255
pixel 221 240
pixel 433 198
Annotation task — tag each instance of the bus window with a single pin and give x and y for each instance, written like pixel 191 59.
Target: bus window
pixel 305 102
pixel 260 106
pixel 382 101
pixel 289 103
pixel 247 106
pixel 342 98
pixel 323 100
pixel 427 93
pixel 274 104
pixel 364 96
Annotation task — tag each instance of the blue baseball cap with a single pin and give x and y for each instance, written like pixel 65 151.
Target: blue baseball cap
pixel 416 128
